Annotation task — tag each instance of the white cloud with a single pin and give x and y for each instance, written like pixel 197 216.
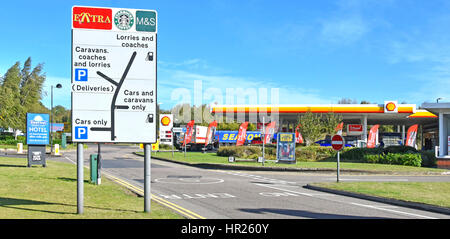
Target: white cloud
pixel 343 31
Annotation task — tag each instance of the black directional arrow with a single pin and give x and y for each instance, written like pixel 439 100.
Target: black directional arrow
pixel 113 101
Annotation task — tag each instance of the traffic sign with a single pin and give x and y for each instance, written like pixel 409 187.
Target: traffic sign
pixel 114 75
pixel 337 142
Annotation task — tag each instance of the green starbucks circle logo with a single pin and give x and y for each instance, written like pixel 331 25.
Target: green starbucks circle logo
pixel 123 19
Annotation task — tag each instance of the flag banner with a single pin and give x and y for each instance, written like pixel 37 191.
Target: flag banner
pixel 242 134
pixel 371 141
pixel 188 134
pixel 411 135
pixel 298 135
pixel 339 127
pixel 270 130
pixel 209 133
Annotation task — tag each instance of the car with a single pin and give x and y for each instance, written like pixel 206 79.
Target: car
pixel 327 142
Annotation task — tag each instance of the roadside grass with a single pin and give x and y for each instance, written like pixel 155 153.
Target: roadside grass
pixel 25 147
pixel 51 193
pixel 212 158
pixel 433 193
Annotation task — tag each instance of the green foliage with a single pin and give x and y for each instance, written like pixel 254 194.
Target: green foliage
pixel 311 127
pixel 428 158
pixel 251 152
pixel 20 92
pixel 400 155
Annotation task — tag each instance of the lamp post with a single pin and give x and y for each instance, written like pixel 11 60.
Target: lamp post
pixel 438 99
pixel 51 118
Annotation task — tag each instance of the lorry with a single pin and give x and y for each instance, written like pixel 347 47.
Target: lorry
pixel 198 139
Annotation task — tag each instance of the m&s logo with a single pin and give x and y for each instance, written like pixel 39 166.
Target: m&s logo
pixel 92 18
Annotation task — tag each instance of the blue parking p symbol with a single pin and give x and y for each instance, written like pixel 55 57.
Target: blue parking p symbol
pixel 81 74
pixel 81 132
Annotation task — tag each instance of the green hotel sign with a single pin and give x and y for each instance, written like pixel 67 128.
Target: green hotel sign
pixel 145 21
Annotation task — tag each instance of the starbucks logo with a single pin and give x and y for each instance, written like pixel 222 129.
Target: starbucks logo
pixel 124 20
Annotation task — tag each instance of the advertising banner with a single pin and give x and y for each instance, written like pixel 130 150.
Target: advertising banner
pixel 270 130
pixel 242 134
pixel 286 147
pixel 411 136
pixel 188 134
pixel 339 127
pixel 354 129
pixel 372 140
pixel 298 135
pixel 38 129
pixel 211 128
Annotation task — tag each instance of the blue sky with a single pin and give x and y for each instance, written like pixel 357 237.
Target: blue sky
pixel 312 51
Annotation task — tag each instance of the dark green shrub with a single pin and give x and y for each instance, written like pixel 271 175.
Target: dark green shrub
pixel 371 158
pixel 428 158
pixel 358 154
pixel 399 149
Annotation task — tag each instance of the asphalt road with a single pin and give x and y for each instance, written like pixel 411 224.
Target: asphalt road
pixel 236 194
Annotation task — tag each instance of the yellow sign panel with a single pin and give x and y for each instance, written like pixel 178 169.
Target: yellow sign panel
pixel 286 137
pixel 155 147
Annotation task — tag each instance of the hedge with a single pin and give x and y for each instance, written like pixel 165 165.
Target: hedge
pixel 401 155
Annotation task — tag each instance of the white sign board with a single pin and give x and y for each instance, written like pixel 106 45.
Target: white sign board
pixel 113 75
pixel 165 128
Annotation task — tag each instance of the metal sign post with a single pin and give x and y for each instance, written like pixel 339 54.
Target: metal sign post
pixel 337 143
pixel 147 177
pixel 80 179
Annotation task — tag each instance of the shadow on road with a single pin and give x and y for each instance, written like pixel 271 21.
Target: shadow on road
pixel 304 214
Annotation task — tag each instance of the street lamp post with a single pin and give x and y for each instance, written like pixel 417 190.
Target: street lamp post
pixel 51 118
pixel 438 99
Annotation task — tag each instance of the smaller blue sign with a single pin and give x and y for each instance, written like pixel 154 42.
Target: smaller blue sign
pixel 38 129
pixel 81 74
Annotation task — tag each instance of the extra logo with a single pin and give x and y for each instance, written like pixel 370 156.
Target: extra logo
pixel 92 18
pixel 123 20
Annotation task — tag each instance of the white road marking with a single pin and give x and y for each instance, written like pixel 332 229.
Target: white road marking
pixel 393 211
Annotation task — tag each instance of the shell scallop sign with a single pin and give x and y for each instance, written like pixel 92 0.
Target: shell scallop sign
pixel 390 107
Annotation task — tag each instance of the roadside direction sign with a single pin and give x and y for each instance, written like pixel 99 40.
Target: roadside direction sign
pixel 114 75
pixel 337 142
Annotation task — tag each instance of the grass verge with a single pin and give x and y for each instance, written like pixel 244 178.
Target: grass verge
pixel 433 193
pixel 51 193
pixel 212 158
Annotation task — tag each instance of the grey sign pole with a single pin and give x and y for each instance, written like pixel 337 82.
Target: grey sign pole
pixel 80 177
pixel 338 169
pixel 147 177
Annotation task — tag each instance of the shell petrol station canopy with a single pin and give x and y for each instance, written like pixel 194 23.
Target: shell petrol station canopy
pixel 390 113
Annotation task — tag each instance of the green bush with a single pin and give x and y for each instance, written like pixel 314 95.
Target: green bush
pixel 371 158
pixel 399 149
pixel 241 151
pixel 314 153
pixel 358 154
pixel 428 158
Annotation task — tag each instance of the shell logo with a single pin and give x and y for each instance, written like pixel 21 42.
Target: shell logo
pixel 165 121
pixel 390 106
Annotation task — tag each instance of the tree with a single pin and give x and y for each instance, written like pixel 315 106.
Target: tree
pixel 10 108
pixel 330 123
pixel 20 92
pixel 311 128
pixel 347 101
